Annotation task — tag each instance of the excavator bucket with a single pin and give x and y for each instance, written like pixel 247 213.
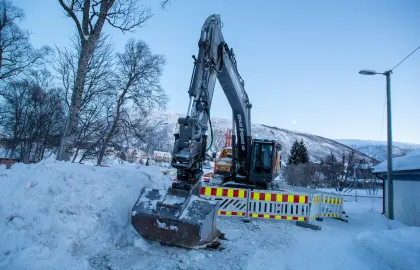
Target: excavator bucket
pixel 177 218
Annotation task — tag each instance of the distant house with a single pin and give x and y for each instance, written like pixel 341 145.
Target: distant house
pixel 159 156
pixel 406 182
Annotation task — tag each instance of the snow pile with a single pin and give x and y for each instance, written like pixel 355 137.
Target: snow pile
pixel 400 248
pixel 61 214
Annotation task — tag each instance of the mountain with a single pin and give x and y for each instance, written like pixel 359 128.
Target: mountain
pixel 318 147
pixel 378 149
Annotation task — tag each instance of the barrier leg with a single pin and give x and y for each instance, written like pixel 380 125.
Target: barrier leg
pixel 305 224
pixel 311 212
pixel 247 219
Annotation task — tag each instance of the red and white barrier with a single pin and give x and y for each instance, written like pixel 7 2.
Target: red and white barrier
pixel 282 205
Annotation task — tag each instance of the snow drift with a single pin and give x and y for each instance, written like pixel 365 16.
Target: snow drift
pixel 64 213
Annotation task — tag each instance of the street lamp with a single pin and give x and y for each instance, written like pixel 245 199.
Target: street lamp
pixel 389 127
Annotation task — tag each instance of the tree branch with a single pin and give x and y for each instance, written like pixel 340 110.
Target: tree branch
pixel 70 13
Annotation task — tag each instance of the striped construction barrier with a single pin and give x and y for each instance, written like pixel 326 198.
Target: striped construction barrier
pixel 277 205
pixel 231 213
pixel 267 216
pixel 332 206
pixel 223 192
pixel 280 205
pixel 274 197
pixel 233 202
pixel 315 208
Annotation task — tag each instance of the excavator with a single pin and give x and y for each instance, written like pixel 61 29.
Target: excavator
pixel 179 216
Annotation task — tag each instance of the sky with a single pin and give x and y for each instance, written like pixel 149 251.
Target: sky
pixel 299 59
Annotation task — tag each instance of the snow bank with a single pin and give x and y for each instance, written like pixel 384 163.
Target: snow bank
pixel 400 248
pixel 56 215
pixel 61 214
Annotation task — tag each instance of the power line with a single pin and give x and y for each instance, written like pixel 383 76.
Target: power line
pixel 405 58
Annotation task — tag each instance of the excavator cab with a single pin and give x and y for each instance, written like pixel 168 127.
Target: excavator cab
pixel 265 162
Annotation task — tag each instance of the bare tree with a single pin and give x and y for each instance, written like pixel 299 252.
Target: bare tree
pixel 16 52
pixel 165 3
pixel 348 163
pixel 15 104
pixel 138 81
pixel 331 168
pixel 155 138
pixel 303 174
pixel 90 16
pixel 98 70
pixel 295 174
pixel 92 128
pixel 33 114
pixel 219 139
pixel 96 100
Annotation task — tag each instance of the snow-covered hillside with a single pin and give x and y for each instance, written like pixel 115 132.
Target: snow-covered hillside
pixel 56 215
pixel 378 149
pixel 317 146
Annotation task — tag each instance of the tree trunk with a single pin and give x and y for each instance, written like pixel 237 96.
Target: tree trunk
pixel 109 135
pixel 76 154
pixel 114 123
pixel 28 152
pixel 67 141
pixel 43 150
pixel 12 152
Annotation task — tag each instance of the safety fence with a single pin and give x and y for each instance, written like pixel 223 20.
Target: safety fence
pixel 361 198
pixel 261 204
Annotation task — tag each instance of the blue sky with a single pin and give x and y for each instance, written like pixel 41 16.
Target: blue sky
pixel 299 59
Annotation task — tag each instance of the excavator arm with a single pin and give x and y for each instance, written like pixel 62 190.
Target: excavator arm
pixel 215 60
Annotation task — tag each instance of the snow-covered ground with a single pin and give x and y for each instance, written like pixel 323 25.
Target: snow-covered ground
pixel 56 215
pixel 353 192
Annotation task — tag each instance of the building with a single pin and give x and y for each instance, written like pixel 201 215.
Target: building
pixel 159 156
pixel 406 182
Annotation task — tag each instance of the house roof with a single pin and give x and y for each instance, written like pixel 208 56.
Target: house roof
pixel 406 163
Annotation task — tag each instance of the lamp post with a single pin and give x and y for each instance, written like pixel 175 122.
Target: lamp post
pixel 389 127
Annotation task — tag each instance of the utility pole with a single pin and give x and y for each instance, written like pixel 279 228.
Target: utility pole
pixel 390 185
pixel 389 162
pixel 356 181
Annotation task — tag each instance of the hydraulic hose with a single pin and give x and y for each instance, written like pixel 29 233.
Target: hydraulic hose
pixel 211 130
